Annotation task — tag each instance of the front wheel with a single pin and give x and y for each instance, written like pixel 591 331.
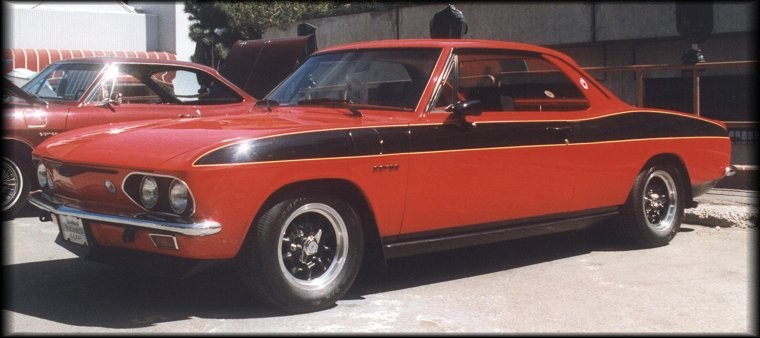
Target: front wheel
pixel 15 188
pixel 655 207
pixel 303 253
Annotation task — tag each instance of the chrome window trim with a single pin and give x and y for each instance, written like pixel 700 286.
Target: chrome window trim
pixel 450 66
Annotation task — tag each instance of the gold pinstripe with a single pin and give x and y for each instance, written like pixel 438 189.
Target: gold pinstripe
pixel 459 150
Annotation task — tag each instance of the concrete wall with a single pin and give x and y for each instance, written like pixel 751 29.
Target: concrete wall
pixel 604 30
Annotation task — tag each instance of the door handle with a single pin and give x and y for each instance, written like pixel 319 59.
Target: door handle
pixel 564 132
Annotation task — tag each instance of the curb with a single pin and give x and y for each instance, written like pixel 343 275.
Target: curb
pixel 725 208
pixel 722 216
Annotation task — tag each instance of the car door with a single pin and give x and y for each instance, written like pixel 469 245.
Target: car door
pixel 129 92
pixel 511 162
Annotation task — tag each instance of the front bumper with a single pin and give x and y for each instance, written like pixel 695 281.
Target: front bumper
pixel 204 228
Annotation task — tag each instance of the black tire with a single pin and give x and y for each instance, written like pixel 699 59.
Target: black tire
pixel 654 210
pixel 303 253
pixel 15 187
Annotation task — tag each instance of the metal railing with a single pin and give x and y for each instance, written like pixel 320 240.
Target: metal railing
pixel 640 70
pixel 744 134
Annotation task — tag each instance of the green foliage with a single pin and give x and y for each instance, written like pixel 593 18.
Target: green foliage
pixel 218 24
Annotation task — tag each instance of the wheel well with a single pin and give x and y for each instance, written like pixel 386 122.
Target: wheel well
pixel 349 193
pixel 675 161
pixel 16 148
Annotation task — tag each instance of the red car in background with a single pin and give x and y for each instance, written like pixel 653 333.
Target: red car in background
pixel 393 148
pixel 82 92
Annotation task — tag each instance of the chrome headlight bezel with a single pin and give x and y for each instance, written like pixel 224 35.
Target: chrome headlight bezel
pixel 181 205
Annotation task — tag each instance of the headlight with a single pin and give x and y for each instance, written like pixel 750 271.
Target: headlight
pixel 149 192
pixel 178 197
pixel 162 195
pixel 42 175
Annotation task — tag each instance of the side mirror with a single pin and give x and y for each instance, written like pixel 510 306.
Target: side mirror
pixel 115 99
pixel 467 108
pixel 462 109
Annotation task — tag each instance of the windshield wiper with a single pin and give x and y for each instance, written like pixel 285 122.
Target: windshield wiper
pixel 333 102
pixel 269 104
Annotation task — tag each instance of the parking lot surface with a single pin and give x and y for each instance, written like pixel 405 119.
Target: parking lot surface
pixel 703 282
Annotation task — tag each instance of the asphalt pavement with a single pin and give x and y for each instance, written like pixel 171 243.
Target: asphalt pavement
pixel 704 281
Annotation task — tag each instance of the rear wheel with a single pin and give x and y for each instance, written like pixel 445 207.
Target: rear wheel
pixel 15 188
pixel 303 253
pixel 655 207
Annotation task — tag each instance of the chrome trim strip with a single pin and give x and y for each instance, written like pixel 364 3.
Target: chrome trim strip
pixel 191 229
pixel 441 81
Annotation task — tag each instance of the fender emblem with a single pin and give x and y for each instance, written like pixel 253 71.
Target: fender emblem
pixel 110 186
pixel 384 167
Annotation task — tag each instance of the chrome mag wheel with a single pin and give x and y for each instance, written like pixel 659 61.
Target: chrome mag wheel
pixel 313 246
pixel 660 202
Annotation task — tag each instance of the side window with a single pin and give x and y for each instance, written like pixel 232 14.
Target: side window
pixel 157 84
pixel 134 91
pixel 124 83
pixel 510 82
pixel 194 87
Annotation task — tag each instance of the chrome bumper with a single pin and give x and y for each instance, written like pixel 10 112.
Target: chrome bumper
pixel 730 171
pixel 191 229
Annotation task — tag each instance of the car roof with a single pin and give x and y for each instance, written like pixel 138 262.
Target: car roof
pixel 440 43
pixel 120 59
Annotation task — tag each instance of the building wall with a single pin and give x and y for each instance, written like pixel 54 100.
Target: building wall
pixel 169 32
pixel 99 27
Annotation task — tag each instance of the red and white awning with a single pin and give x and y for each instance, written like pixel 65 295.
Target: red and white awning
pixel 35 59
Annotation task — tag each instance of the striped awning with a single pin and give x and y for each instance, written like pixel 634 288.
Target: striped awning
pixel 35 59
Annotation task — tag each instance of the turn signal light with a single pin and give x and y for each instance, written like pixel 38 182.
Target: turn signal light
pixel 164 241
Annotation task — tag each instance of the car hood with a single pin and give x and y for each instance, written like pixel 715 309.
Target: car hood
pixel 257 66
pixel 151 144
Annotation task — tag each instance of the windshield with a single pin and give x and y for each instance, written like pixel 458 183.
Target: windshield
pixel 383 78
pixel 66 81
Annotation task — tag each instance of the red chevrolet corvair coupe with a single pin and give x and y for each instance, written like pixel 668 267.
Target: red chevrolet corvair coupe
pixel 397 147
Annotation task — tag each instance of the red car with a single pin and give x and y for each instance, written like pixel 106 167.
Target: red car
pixel 392 147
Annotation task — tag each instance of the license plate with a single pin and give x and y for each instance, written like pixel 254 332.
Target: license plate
pixel 72 229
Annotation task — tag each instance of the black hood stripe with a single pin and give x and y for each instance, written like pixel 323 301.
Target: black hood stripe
pixel 373 141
